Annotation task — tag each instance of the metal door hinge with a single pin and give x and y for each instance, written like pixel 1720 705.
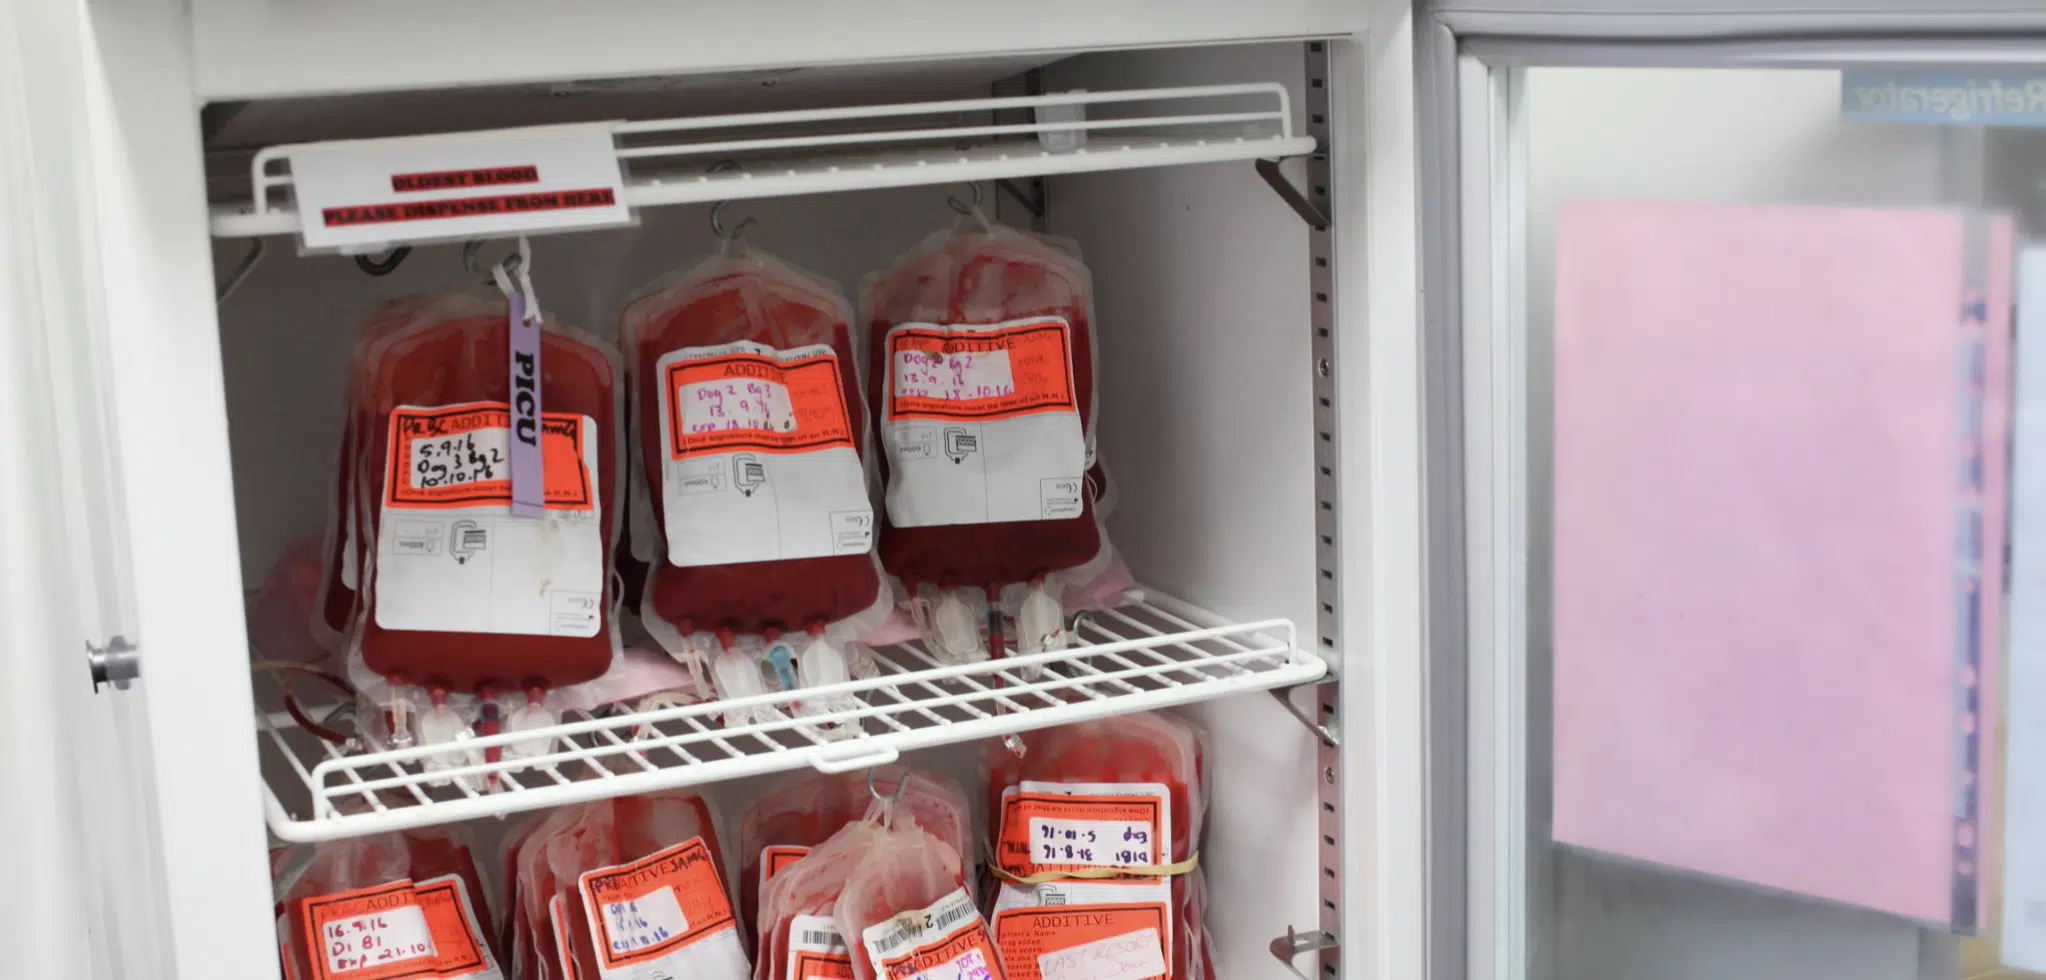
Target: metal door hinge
pixel 117 663
pixel 1292 944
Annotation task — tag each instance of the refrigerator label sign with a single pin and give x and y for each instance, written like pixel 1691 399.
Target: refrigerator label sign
pixel 364 195
pixel 1944 98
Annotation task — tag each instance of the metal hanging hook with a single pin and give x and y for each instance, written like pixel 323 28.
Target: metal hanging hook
pixel 717 210
pixel 901 783
pixel 386 265
pixel 473 248
pixel 968 210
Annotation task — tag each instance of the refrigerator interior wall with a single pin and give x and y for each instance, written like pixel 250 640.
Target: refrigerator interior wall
pixel 272 48
pixel 1200 278
pixel 1681 134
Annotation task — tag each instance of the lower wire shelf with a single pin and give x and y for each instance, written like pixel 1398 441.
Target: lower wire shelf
pixel 1153 652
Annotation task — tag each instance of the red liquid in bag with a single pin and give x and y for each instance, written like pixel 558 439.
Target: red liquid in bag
pixel 983 279
pixel 623 839
pixel 463 360
pixel 342 867
pixel 1133 749
pixel 745 597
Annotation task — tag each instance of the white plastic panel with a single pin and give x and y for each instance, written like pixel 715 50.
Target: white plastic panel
pixel 264 48
pixel 1206 339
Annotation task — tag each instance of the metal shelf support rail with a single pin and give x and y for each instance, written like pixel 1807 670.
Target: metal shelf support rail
pixel 868 147
pixel 1154 653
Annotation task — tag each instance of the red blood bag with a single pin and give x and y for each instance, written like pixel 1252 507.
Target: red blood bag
pixel 981 379
pixel 643 890
pixel 462 596
pixel 799 940
pixel 411 905
pixel 751 431
pixel 907 913
pixel 339 599
pixel 784 824
pixel 1120 793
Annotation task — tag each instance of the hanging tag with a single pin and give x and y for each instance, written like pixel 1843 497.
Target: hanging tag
pixel 528 476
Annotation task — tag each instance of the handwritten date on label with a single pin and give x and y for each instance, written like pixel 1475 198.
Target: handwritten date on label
pixel 954 376
pixel 476 456
pixel 1130 956
pixel 723 406
pixel 644 922
pixel 364 941
pixel 1098 843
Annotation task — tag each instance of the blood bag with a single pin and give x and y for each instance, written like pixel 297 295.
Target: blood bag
pixel 785 823
pixel 1102 817
pixel 981 378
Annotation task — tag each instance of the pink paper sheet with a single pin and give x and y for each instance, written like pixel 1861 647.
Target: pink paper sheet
pixel 1759 445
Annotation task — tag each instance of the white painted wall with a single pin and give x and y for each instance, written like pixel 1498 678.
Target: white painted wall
pixel 1698 135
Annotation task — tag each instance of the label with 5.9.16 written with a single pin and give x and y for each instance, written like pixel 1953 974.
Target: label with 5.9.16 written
pixel 450 555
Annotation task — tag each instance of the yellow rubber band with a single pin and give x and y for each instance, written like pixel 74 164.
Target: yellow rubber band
pixel 1134 871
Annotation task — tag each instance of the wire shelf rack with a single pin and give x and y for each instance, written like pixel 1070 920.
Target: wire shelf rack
pixel 815 151
pixel 1154 652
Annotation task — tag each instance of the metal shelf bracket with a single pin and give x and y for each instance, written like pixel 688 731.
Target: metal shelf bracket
pixel 1327 733
pixel 1292 944
pixel 1269 170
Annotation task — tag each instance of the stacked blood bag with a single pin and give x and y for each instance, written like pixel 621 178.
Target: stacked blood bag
pixel 981 379
pixel 455 610
pixel 865 876
pixel 756 516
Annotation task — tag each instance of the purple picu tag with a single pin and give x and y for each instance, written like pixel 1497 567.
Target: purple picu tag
pixel 528 473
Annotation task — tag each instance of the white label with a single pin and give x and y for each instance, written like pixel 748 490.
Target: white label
pixel 1098 843
pixel 1130 956
pixel 451 558
pixel 379 939
pixel 759 464
pixel 362 195
pixel 817 935
pixel 909 931
pixel 644 922
pixel 955 377
pixel 1076 892
pixel 982 423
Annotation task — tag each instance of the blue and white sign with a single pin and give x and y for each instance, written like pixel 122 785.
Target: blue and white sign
pixel 1945 98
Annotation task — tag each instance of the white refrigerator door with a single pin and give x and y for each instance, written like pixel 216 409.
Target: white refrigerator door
pixel 143 839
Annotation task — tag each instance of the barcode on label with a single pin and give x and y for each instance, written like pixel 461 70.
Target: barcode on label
pixel 817 937
pixel 934 921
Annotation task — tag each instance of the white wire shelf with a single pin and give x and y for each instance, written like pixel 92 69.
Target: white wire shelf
pixel 815 151
pixel 1155 652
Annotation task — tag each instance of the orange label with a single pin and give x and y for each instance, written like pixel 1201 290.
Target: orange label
pixel 1049 832
pixel 456 456
pixel 777 859
pixel 807 965
pixel 398 930
pixel 742 400
pixel 968 953
pixel 1110 942
pixel 564 954
pixel 981 375
pixel 655 905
